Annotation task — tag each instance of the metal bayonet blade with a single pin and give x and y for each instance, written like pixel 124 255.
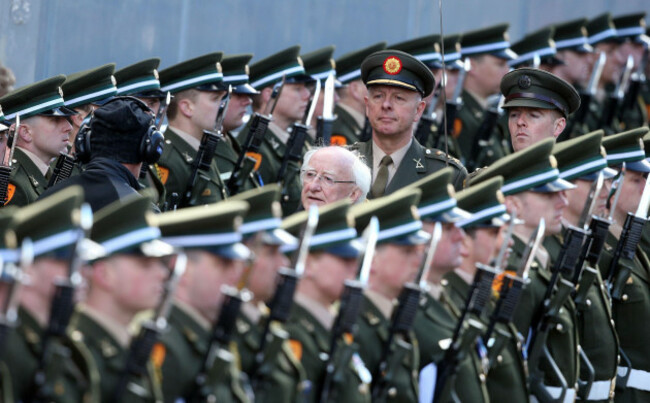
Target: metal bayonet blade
pixel 328 98
pixel 531 248
pixel 13 141
pixel 642 209
pixel 428 255
pixel 312 104
pixel 596 73
pixel 160 116
pixel 370 237
pixel 300 256
pixel 617 187
pixel 590 203
pixel 625 78
pixel 506 241
pixel 223 109
pixel 275 95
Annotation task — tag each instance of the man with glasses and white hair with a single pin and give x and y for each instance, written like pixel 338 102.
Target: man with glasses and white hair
pixel 332 173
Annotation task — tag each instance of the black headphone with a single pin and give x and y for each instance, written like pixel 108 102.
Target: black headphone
pixel 151 146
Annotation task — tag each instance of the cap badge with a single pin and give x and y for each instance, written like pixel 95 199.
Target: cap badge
pixel 392 65
pixel 155 74
pixel 524 82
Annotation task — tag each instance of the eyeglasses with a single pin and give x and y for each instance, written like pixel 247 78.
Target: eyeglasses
pixel 310 175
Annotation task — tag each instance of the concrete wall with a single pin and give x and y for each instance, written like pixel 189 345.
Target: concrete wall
pixel 41 38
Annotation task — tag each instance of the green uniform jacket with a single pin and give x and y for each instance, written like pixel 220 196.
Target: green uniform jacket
pixel 629 314
pixel 185 348
pixel 175 170
pixel 283 380
pixel 110 359
pixel 434 323
pixel 562 340
pixel 26 182
pixel 6 391
pixel 417 164
pixel 471 117
pixel 345 129
pixel 372 336
pixel 74 377
pixel 314 341
pixel 226 155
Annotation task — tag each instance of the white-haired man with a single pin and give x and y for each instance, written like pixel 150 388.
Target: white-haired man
pixel 333 173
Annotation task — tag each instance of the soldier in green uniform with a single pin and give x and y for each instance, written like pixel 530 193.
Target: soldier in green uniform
pixel 44 132
pixel 9 279
pixel 534 190
pixel 630 30
pixel 537 104
pixel 602 37
pixel 351 124
pixel 630 294
pixel 140 80
pixel 210 238
pixel 488 52
pixel 436 318
pixel 580 161
pixel 280 377
pixel 290 107
pixel 394 367
pixel 235 74
pixel 65 368
pixel 85 91
pixel 332 259
pixel 197 96
pixel 397 84
pixel 129 280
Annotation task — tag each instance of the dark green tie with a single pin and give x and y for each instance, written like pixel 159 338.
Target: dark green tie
pixel 379 187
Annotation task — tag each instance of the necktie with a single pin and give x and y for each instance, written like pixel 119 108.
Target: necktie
pixel 379 187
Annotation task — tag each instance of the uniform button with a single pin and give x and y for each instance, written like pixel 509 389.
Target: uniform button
pixel 211 399
pixel 363 389
pixel 168 141
pixel 285 198
pixel 559 327
pixel 415 374
pixel 481 377
pixel 625 297
pixel 427 152
pixel 392 392
pixel 324 356
pixel 499 358
pixel 588 302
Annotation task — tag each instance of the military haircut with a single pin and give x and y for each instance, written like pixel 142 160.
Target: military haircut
pixel 172 109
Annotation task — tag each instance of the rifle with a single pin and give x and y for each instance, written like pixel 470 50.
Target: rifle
pixel 296 143
pixel 455 104
pixel 200 177
pixel 341 348
pixel 366 131
pixel 282 301
pixel 483 134
pixel 402 319
pixel 615 98
pixel 63 303
pixel 326 121
pixel 62 169
pixel 141 346
pixel 246 160
pixel 9 316
pixel 510 292
pixel 218 358
pixel 7 161
pixel 586 97
pixel 637 80
pixel 427 121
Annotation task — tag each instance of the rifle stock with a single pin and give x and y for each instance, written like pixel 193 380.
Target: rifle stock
pixel 252 144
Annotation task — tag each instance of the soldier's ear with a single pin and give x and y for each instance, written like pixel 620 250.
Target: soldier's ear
pixel 186 107
pixel 558 126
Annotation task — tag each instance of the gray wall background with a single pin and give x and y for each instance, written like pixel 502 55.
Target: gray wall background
pixel 42 38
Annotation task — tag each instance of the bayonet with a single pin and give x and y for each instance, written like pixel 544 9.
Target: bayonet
pixel 531 249
pixel 625 78
pixel 223 109
pixel 369 237
pixel 596 72
pixel 328 98
pixel 498 263
pixel 537 61
pixel 163 309
pixel 300 255
pixel 312 105
pixel 14 140
pixel 325 122
pixel 590 203
pixel 467 66
pixel 427 259
pixel 617 187
pixel 160 116
pixel 275 95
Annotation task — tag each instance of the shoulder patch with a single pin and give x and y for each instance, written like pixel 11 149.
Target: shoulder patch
pixel 257 157
pixel 11 189
pixel 296 348
pixel 458 127
pixel 158 353
pixel 163 173
pixel 338 140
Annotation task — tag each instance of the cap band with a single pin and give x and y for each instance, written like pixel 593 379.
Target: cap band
pixel 425 57
pixel 9 255
pixel 452 57
pixel 130 239
pixel 628 156
pixel 352 75
pixel 437 208
pixel 569 43
pixel 235 78
pixel 333 236
pixel 530 181
pixel 486 48
pixel 36 109
pixel 193 82
pixel 56 241
pixel 631 31
pixel 531 55
pixel 260 225
pixel 289 72
pixel 140 85
pixel 323 75
pixel 97 95
pixel 220 239
pixel 608 33
pixel 539 97
pixel 403 229
pixel 392 82
pixel 583 169
pixel 482 215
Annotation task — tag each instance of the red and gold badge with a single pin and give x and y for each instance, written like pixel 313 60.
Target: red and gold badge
pixel 392 65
